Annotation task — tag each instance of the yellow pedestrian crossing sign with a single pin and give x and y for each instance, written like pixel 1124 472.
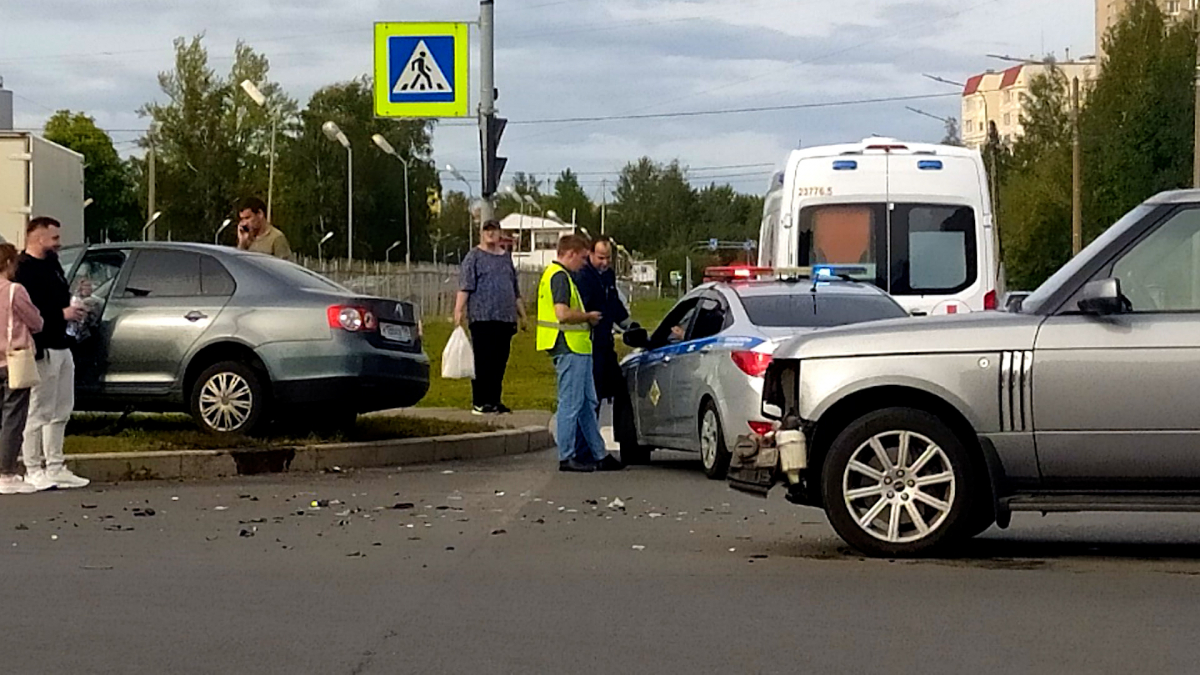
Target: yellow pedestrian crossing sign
pixel 421 70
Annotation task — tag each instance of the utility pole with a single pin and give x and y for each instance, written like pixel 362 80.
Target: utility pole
pixel 1076 174
pixel 490 126
pixel 603 202
pixel 1196 114
pixel 150 178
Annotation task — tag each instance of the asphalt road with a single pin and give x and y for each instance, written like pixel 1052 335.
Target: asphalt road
pixel 508 566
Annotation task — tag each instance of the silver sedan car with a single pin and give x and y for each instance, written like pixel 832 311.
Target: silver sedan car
pixel 696 384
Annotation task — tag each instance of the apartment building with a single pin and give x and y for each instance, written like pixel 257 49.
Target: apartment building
pixel 1108 12
pixel 1001 97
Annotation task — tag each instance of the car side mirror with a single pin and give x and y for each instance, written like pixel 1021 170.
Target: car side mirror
pixel 637 338
pixel 1102 297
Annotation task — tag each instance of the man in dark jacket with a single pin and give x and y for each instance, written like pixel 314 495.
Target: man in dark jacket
pixel 597 283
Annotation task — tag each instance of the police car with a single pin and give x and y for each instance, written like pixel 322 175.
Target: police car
pixel 695 383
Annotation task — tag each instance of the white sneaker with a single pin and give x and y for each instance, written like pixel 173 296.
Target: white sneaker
pixel 39 480
pixel 15 485
pixel 64 479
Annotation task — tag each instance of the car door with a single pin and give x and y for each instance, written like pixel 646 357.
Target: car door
pixel 93 281
pixel 687 373
pixel 654 372
pixel 166 303
pixel 1116 399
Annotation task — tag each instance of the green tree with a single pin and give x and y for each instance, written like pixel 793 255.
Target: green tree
pixel 1035 185
pixel 1137 127
pixel 212 140
pixel 107 180
pixel 569 200
pixel 654 207
pixel 953 135
pixel 312 177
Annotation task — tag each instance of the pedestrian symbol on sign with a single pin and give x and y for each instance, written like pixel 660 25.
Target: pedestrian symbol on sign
pixel 422 68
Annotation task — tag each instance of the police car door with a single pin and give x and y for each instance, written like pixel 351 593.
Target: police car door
pixel 689 370
pixel 653 373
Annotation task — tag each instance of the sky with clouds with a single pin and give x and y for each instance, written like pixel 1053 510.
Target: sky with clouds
pixel 570 58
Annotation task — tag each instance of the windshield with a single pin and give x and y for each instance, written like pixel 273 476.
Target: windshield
pixel 1033 303
pixel 295 275
pixel 817 311
pixel 931 249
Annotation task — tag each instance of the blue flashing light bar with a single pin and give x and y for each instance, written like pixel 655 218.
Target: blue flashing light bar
pixel 930 165
pixel 844 165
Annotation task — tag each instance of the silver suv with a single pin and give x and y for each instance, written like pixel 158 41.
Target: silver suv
pixel 1085 397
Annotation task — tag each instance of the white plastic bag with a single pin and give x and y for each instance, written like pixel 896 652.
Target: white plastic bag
pixel 458 359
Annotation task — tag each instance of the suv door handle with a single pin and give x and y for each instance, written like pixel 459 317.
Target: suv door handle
pixel 195 316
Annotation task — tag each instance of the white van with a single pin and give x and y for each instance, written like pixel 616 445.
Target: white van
pixel 914 219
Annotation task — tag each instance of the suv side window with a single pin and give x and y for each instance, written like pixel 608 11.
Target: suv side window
pixel 680 319
pixel 164 274
pixel 1161 273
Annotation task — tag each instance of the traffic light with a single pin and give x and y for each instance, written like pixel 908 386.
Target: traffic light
pixel 493 166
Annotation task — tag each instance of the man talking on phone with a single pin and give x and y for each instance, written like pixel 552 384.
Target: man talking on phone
pixel 256 234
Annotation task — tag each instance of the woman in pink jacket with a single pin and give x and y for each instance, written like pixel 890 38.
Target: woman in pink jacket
pixel 14 403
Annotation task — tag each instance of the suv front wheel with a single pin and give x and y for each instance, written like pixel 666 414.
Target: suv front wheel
pixel 229 398
pixel 897 483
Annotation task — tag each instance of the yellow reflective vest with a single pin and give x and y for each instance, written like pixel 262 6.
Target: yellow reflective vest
pixel 579 335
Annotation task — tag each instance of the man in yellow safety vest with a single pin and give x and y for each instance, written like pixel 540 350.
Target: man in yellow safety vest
pixel 564 330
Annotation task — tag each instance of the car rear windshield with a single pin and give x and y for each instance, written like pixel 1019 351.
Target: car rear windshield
pixel 295 275
pixel 803 310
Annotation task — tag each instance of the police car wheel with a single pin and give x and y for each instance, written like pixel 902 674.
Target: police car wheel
pixel 713 453
pixel 625 429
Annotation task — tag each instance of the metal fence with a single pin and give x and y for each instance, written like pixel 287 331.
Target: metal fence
pixel 431 286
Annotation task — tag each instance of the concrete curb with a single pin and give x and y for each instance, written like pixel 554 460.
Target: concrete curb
pixel 197 464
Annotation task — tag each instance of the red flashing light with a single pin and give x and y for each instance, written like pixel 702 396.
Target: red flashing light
pixel 735 273
pixel 887 147
pixel 753 364
pixel 989 300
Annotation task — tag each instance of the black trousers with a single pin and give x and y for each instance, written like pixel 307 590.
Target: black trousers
pixel 491 342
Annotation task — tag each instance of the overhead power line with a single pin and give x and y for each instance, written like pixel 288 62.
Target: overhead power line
pixel 734 111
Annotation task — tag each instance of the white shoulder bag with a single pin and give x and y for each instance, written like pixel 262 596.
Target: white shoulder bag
pixel 22 367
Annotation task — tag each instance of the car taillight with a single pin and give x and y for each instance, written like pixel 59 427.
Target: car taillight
pixel 351 319
pixel 762 428
pixel 989 300
pixel 753 364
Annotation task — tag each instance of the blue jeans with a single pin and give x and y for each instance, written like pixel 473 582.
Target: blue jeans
pixel 577 408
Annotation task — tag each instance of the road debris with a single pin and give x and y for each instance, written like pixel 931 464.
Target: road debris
pixel 616 503
pixel 495 532
pixel 639 547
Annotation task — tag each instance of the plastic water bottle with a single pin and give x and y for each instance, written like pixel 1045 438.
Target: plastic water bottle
pixel 75 328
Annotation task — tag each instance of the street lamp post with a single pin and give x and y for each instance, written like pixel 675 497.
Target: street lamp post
pixel 217 238
pixel 471 196
pixel 320 255
pixel 335 134
pixel 150 223
pixel 387 255
pixel 258 97
pixel 389 150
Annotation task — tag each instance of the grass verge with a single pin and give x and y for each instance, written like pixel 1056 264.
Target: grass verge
pixel 95 433
pixel 529 380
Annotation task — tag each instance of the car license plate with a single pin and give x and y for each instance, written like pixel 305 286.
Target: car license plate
pixel 395 332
